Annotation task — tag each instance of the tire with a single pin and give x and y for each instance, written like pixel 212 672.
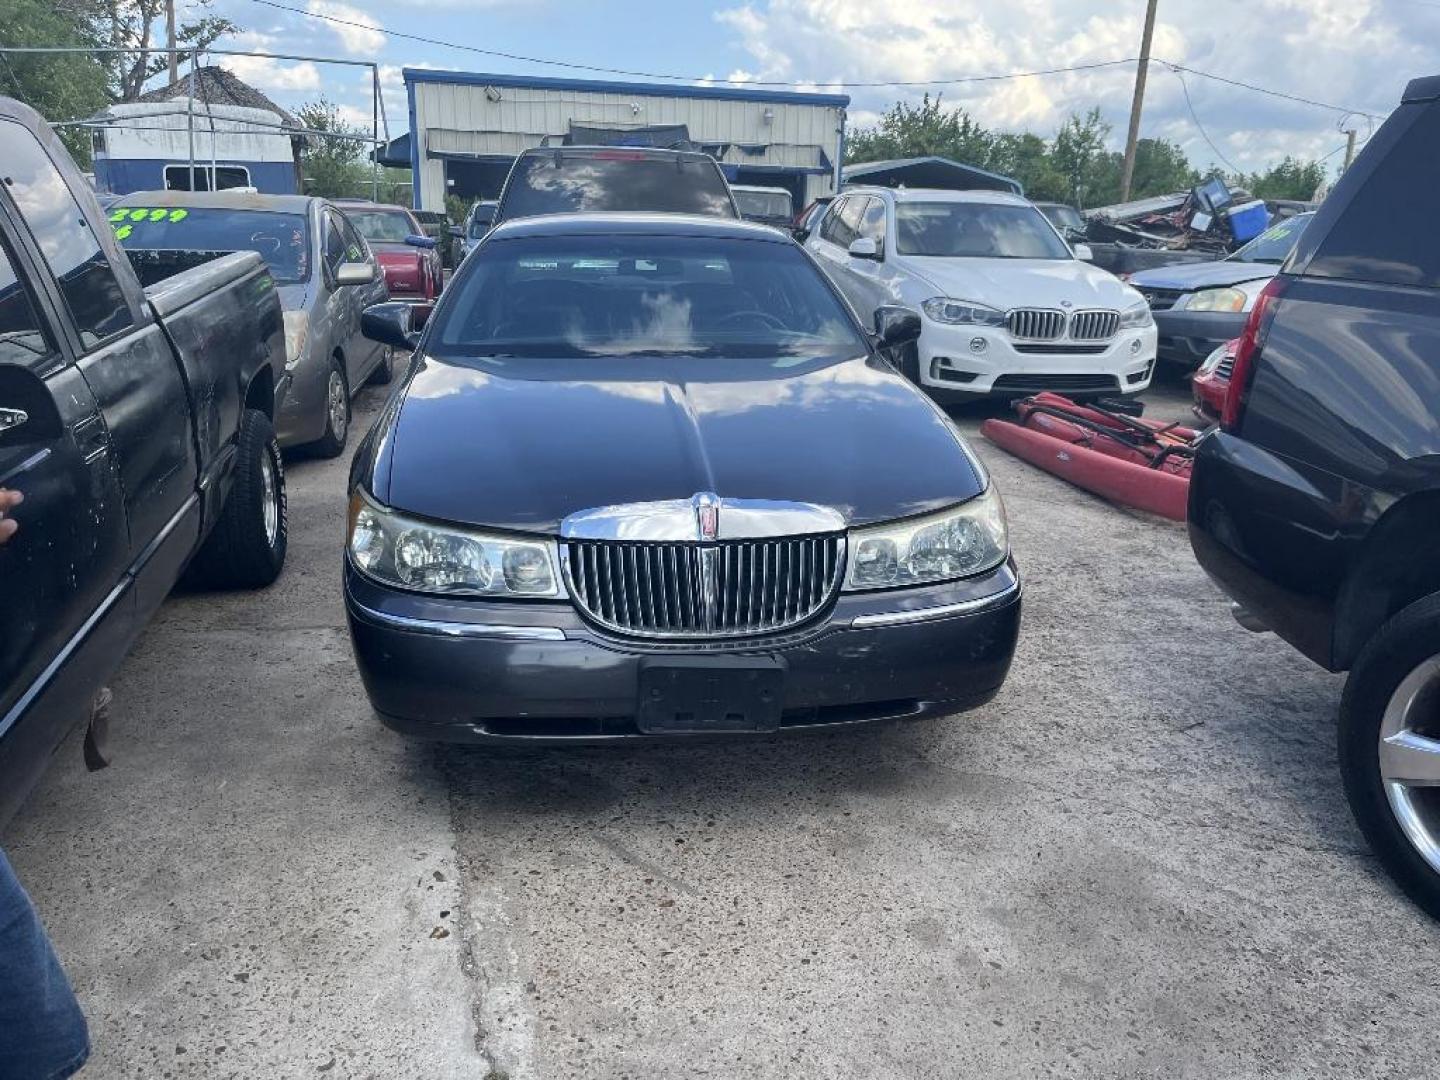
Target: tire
pixel 385 370
pixel 1394 693
pixel 337 413
pixel 246 548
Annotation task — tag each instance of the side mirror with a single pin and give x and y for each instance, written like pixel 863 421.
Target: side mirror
pixel 394 323
pixel 354 273
pixel 896 326
pixel 1083 252
pixel 864 247
pixel 416 240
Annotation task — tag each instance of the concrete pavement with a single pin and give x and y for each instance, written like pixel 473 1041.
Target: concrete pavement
pixel 1135 862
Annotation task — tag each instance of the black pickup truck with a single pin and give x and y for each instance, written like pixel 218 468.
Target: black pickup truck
pixel 135 422
pixel 1317 503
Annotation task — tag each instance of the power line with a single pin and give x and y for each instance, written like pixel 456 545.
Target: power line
pixel 683 78
pixel 1199 126
pixel 1264 90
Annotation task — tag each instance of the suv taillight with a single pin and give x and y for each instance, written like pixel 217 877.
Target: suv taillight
pixel 1251 340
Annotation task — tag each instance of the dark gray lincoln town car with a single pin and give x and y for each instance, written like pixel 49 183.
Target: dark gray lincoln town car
pixel 649 475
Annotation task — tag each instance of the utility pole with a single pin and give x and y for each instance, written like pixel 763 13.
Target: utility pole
pixel 1349 148
pixel 1127 173
pixel 170 41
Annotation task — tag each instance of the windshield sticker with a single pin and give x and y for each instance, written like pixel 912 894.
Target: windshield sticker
pixel 124 219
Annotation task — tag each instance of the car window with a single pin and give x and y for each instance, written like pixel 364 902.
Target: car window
pixel 148 233
pixel 382 226
pixel 356 250
pixel 177 177
pixel 771 204
pixel 1378 235
pixel 562 182
pixel 87 282
pixel 842 224
pixel 334 244
pixel 872 221
pixel 575 296
pixel 23 339
pixel 830 224
pixel 975 230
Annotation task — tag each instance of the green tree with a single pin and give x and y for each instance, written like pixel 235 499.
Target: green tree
pixel 1077 153
pixel 1290 179
pixel 59 86
pixel 920 131
pixel 1027 158
pixel 333 166
pixel 136 24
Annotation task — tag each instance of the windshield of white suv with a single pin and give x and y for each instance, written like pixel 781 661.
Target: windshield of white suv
pixel 975 230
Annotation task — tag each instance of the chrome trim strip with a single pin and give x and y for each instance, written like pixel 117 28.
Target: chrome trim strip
pixel 964 607
pixel 679 520
pixel 460 629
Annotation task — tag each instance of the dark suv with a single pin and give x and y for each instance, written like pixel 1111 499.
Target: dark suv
pixel 625 179
pixel 1317 503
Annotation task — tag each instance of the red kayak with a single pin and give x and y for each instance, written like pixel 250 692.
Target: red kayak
pixel 1127 459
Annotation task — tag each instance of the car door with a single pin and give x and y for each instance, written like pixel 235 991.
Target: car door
pixel 841 229
pixel 63 572
pixel 341 314
pixel 358 251
pixel 127 364
pixel 870 282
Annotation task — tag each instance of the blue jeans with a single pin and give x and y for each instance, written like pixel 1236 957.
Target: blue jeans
pixel 42 1030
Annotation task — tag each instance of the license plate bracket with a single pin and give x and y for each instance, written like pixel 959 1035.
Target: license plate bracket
pixel 699 695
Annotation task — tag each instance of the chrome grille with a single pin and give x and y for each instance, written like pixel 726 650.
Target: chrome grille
pixel 1160 299
pixel 689 590
pixel 1094 325
pixel 1035 324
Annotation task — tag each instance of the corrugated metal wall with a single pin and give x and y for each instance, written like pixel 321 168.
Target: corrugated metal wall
pixel 454 117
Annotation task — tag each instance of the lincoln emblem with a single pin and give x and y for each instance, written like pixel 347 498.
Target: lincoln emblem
pixel 707 516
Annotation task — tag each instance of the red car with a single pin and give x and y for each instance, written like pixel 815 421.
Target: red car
pixel 409 259
pixel 1212 380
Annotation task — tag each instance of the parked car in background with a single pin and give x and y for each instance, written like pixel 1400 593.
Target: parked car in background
pixel 1068 221
pixel 437 227
pixel 767 205
pixel 1317 503
pixel 1200 306
pixel 326 275
pixel 410 259
pixel 649 476
pixel 808 220
pixel 613 179
pixel 1007 307
pixel 137 424
pixel 477 224
pixel 1211 382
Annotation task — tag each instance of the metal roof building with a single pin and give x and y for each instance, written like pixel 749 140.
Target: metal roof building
pixel 467 127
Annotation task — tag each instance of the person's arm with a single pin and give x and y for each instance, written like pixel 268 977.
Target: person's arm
pixel 8 501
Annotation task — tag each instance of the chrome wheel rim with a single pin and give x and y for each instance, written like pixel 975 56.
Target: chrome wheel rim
pixel 1410 758
pixel 336 403
pixel 269 498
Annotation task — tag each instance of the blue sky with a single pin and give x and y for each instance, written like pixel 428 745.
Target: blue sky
pixel 1352 53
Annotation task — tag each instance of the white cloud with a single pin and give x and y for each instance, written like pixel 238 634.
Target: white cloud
pixel 1357 53
pixel 359 33
pixel 268 76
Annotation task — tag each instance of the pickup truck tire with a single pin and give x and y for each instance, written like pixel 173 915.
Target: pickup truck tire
pixel 246 548
pixel 1392 699
pixel 337 413
pixel 385 370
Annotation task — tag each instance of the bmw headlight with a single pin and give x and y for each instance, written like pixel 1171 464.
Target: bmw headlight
pixel 962 312
pixel 1136 317
pixel 966 539
pixel 1228 299
pixel 426 557
pixel 297 330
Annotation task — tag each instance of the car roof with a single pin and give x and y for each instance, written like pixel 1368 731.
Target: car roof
pixel 760 187
pixel 221 200
pixel 366 204
pixel 622 153
pixel 1001 198
pixel 631 224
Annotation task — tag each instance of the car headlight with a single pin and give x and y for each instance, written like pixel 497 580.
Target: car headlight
pixel 426 557
pixel 962 312
pixel 297 330
pixel 1227 299
pixel 1136 317
pixel 967 539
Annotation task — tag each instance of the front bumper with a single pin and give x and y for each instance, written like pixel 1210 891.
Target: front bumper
pixel 950 364
pixel 477 671
pixel 1188 337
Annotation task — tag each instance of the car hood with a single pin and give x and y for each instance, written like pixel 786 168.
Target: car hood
pixel 479 445
pixel 1009 283
pixel 1187 276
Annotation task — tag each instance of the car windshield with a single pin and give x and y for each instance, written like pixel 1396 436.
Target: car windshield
pixel 480 221
pixel 765 204
pixel 282 240
pixel 1063 217
pixel 1275 243
pixel 382 226
pixel 975 230
pixel 576 296
pixel 616 180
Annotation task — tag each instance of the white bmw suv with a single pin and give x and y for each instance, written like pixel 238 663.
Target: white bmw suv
pixel 1006 306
